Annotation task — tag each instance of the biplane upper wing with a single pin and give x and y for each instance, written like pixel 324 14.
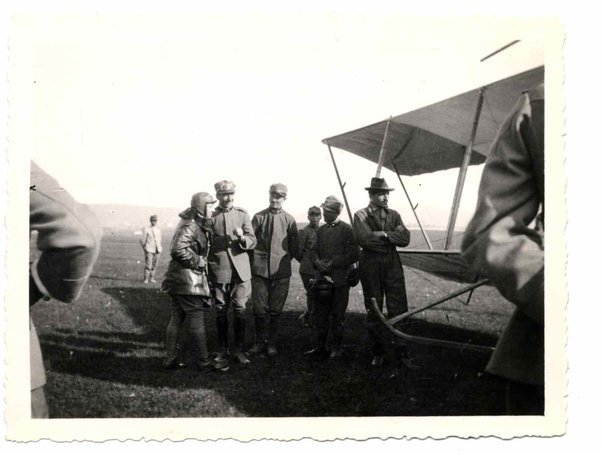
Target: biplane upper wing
pixel 435 137
pixel 429 139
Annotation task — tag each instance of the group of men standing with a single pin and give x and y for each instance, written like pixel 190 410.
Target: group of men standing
pixel 222 257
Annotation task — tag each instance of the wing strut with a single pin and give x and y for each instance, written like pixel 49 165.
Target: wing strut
pixel 426 238
pixel 381 156
pixel 462 175
pixel 341 184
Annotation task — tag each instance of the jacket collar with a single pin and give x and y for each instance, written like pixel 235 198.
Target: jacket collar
pixel 192 213
pixel 188 213
pixel 373 209
pixel 334 224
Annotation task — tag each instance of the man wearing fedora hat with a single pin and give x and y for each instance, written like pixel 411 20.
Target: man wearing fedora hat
pixel 229 268
pixel 379 230
pixel 332 255
pixel 277 242
pixel 307 239
pixel 151 245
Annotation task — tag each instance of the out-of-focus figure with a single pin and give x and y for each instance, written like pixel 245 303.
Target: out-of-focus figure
pixel 500 244
pixel 68 242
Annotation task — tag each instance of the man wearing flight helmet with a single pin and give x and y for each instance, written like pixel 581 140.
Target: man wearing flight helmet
pixel 187 284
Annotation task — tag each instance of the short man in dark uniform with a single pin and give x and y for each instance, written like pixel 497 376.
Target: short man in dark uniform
pixel 333 254
pixel 232 238
pixel 379 230
pixel 307 239
pixel 277 242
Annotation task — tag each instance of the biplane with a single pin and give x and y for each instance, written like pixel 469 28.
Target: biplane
pixel 453 133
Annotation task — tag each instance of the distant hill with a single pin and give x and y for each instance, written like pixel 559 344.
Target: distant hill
pixel 132 217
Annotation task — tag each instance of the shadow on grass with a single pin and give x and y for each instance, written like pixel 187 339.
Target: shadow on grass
pixel 449 382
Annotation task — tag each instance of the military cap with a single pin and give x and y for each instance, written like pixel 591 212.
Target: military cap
pixel 153 217
pixel 332 203
pixel 314 210
pixel 225 187
pixel 279 188
pixel 200 199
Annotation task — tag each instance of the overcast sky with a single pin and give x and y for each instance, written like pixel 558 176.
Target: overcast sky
pixel 147 109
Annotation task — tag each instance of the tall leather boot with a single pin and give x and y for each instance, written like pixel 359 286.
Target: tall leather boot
pixel 239 340
pixel 272 334
pixel 259 346
pixel 222 338
pixel 239 333
pixel 196 333
pixel 171 360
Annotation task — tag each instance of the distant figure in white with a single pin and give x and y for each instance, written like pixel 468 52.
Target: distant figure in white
pixel 151 244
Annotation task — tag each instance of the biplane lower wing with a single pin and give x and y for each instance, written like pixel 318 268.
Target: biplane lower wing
pixel 445 264
pixel 449 265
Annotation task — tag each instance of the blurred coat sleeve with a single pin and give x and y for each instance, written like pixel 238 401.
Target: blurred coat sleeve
pixel 68 239
pixel 498 242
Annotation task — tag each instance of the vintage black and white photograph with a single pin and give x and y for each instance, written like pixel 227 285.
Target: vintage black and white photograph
pixel 334 217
